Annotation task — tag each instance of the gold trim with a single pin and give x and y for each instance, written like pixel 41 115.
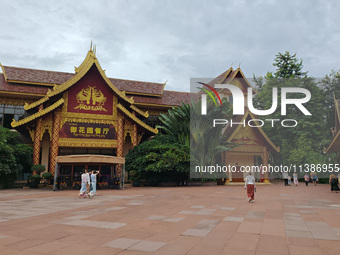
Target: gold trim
pixel 9 101
pixel 95 121
pixel 65 97
pixel 3 71
pixel 38 114
pixel 138 121
pixel 36 103
pixel 31 132
pixel 98 143
pixel 141 112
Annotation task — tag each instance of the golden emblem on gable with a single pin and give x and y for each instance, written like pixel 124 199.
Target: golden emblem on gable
pixel 91 98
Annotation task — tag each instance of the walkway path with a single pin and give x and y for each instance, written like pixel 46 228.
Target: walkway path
pixel 182 220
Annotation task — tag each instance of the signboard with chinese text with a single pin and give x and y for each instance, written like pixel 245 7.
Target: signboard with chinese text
pixel 88 131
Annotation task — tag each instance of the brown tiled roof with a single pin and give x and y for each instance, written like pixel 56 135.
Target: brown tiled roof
pixel 21 88
pixel 36 76
pixel 174 98
pixel 220 78
pixel 50 77
pixel 138 86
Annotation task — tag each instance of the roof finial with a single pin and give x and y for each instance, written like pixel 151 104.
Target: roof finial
pixel 231 66
pixel 91 46
pixel 95 49
pixel 239 65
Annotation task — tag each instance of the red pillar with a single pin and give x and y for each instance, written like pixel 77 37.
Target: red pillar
pixel 120 141
pixel 55 141
pixel 37 139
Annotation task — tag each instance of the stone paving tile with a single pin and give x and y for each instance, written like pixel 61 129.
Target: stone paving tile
pixel 122 243
pixel 202 228
pixel 326 233
pixel 299 233
pixel 173 219
pixel 298 250
pixel 164 218
pixel 197 206
pixel 200 212
pixel 47 247
pixel 95 224
pixel 227 208
pixel 237 219
pixel 255 215
pixel 147 246
pixel 297 227
pixel 250 227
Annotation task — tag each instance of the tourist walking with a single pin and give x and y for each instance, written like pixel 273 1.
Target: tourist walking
pixel 83 188
pixel 250 185
pixel 295 177
pixel 313 178
pixel 306 179
pixel 93 192
pixel 88 181
pixel 333 180
pixel 285 177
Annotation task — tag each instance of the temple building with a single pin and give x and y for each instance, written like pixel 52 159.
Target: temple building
pixel 254 145
pixel 81 113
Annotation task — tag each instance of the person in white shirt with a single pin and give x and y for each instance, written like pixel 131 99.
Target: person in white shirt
pixel 250 185
pixel 83 189
pixel 88 181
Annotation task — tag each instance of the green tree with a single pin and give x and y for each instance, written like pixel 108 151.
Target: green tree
pixel 177 123
pixel 311 128
pixel 207 142
pixel 161 159
pixel 288 66
pixel 15 157
pixel 330 85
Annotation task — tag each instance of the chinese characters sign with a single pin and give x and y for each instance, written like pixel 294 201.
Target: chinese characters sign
pixel 88 131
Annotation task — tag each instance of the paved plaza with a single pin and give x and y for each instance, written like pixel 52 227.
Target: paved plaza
pixel 177 220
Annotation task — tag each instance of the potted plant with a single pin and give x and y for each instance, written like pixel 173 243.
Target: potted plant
pixel 134 177
pixel 48 177
pixel 34 180
pixel 37 169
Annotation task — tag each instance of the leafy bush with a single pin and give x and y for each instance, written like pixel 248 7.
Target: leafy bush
pixel 38 168
pixel 160 160
pixel 47 175
pixel 15 157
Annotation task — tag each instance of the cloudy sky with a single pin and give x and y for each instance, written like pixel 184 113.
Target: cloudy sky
pixel 170 40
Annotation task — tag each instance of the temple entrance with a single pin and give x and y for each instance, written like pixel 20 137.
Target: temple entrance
pixel 70 168
pixel 238 175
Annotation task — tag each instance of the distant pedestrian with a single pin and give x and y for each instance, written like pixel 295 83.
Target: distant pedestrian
pixel 285 177
pixel 83 189
pixel 295 177
pixel 250 185
pixel 87 181
pixel 333 180
pixel 93 192
pixel 306 179
pixel 313 178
